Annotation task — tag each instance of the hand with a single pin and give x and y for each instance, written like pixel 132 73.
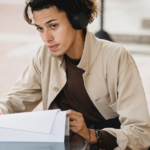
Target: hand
pixel 1 113
pixel 77 124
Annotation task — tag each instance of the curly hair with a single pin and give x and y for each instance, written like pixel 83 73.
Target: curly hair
pixel 90 7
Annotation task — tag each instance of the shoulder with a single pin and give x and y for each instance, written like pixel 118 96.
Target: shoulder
pixel 112 52
pixel 112 56
pixel 111 48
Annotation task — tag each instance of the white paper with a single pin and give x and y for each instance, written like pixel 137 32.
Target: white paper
pixel 39 121
pixel 42 126
pixel 67 127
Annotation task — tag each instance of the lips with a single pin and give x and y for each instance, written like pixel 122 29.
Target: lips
pixel 52 47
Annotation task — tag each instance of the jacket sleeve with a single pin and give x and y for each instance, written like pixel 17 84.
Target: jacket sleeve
pixel 131 106
pixel 25 94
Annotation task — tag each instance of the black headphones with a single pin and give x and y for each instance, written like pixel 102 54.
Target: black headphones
pixel 80 19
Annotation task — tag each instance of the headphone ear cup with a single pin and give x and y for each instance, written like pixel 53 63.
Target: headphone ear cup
pixel 79 20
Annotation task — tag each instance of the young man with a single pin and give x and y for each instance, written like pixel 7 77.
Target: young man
pixel 96 80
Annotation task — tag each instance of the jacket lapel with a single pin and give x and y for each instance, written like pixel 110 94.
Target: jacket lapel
pixel 57 79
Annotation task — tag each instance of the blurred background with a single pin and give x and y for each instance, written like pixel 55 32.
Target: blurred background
pixel 126 21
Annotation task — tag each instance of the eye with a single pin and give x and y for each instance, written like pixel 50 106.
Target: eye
pixel 39 29
pixel 54 26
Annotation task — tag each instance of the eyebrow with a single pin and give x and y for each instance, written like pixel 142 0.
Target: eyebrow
pixel 46 22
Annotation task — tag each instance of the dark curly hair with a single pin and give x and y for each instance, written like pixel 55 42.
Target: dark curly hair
pixel 90 7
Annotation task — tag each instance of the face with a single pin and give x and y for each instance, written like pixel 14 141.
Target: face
pixel 55 30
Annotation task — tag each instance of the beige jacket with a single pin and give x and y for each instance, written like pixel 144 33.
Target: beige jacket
pixel 111 79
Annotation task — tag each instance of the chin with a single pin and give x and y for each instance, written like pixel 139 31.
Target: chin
pixel 56 54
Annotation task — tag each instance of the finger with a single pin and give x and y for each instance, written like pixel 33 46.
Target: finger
pixel 74 129
pixel 1 113
pixel 73 117
pixel 74 123
pixel 75 113
pixel 76 118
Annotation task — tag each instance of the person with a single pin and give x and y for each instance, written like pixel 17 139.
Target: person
pixel 96 80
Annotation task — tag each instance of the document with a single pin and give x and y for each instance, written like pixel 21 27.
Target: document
pixel 38 126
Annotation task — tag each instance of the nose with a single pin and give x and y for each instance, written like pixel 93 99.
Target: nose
pixel 47 36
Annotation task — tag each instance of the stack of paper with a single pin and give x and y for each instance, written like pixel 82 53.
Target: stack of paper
pixel 39 126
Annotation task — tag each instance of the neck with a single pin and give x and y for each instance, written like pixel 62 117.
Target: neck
pixel 76 50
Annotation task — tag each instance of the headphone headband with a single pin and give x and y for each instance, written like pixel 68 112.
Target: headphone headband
pixel 77 4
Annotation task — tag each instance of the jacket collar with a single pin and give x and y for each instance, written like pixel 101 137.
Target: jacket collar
pixel 90 51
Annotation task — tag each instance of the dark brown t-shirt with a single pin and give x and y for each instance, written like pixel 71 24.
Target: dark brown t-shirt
pixel 74 96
